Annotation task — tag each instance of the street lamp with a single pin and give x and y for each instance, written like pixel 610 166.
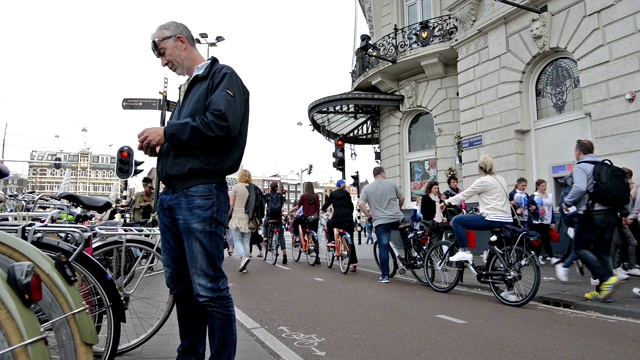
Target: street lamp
pixel 204 37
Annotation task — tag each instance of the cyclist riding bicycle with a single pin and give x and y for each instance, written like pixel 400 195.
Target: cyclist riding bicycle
pixel 494 206
pixel 274 201
pixel 342 218
pixel 310 204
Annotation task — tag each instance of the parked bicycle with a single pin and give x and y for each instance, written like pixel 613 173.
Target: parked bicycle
pixel 414 244
pixel 512 270
pixel 340 250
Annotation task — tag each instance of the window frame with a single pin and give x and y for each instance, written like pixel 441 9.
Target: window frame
pixel 428 155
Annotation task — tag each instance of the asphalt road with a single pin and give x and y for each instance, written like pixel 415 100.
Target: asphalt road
pixel 316 312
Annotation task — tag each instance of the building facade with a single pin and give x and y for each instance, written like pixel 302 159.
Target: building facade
pixel 463 78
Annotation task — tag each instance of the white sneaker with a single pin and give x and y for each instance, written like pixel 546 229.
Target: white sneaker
pixel 562 273
pixel 595 282
pixel 636 290
pixel 554 260
pixel 461 256
pixel 541 259
pixel 621 274
pixel 485 255
pixel 634 272
pixel 509 295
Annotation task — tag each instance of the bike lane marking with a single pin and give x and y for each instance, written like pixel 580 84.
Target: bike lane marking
pixel 318 279
pixel 283 267
pixel 451 319
pixel 271 341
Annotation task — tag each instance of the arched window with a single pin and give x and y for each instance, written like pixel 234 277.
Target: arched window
pixel 422 134
pixel 421 153
pixel 558 88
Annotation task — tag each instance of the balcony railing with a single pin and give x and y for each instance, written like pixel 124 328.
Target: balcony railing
pixel 402 41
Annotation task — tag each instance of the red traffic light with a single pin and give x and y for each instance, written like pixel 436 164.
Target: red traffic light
pixel 340 142
pixel 124 154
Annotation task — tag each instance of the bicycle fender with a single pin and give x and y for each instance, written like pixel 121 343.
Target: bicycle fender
pixel 71 294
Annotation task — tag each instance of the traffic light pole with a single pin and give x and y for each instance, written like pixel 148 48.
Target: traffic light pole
pixel 163 117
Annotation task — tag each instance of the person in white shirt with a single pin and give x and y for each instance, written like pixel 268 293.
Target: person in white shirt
pixel 494 205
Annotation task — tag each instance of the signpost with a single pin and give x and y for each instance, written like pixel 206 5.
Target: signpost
pixel 471 142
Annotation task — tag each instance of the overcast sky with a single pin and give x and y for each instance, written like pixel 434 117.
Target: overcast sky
pixel 67 65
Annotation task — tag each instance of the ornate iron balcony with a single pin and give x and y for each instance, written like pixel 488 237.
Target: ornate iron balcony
pixel 401 41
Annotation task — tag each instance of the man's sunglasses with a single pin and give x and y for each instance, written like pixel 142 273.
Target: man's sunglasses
pixel 154 44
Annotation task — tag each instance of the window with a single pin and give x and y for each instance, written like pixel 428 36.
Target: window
pixel 95 159
pixel 558 88
pixel 421 153
pixel 418 10
pixel 422 134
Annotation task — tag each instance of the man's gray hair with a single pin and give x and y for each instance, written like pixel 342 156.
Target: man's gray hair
pixel 176 28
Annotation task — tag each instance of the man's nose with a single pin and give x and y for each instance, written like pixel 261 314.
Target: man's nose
pixel 163 61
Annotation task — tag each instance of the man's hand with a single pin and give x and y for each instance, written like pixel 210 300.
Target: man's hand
pixel 150 140
pixel 565 207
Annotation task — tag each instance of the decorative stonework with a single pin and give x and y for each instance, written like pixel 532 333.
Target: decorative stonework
pixel 467 15
pixel 410 92
pixel 369 14
pixel 540 29
pixel 474 46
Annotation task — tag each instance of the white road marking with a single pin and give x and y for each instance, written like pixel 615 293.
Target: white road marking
pixel 283 267
pixel 318 279
pixel 451 319
pixel 270 340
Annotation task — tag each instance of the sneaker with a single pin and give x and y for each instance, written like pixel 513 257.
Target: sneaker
pixel 541 259
pixel 354 268
pixel 461 256
pixel 595 282
pixel 634 272
pixel 636 290
pixel 317 261
pixel 485 255
pixel 244 271
pixel 383 279
pixel 243 264
pixel 609 287
pixel 260 255
pixel 554 260
pixel 620 273
pixel 562 273
pixel 331 244
pixel 595 296
pixel 284 259
pixel 509 295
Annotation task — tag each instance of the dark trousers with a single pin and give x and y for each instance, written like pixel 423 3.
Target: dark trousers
pixel 543 230
pixel 346 226
pixel 592 241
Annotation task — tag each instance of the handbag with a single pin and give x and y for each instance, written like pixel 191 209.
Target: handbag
pixel 254 224
pixel 554 235
pixel 313 217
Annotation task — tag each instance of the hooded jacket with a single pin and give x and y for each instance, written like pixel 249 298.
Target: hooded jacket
pixel 206 135
pixel 342 205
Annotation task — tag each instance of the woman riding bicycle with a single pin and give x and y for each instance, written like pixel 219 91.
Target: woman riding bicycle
pixel 310 204
pixel 494 205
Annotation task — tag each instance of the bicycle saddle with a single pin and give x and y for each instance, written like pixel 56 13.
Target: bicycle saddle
pixel 99 204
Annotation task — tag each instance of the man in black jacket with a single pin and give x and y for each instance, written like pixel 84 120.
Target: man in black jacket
pixel 203 142
pixel 342 217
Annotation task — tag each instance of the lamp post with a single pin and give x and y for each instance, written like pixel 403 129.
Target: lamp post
pixel 204 37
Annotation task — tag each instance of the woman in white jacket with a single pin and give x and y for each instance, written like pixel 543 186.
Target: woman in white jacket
pixel 495 209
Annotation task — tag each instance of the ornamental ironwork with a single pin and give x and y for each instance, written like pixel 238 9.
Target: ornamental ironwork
pixel 404 40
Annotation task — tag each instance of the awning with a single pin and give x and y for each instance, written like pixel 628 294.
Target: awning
pixel 354 115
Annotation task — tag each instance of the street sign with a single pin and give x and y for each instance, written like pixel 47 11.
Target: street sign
pixel 141 104
pixel 471 142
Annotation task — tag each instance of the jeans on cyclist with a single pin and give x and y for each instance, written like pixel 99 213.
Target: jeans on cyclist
pixel 383 233
pixel 461 223
pixel 192 235
pixel 346 226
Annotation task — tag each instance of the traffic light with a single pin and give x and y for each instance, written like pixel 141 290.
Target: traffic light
pixel 124 162
pixel 57 163
pixel 309 169
pixel 137 163
pixel 338 154
pixel 356 181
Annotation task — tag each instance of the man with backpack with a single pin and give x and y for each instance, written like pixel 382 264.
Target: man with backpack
pixel 274 201
pixel 594 185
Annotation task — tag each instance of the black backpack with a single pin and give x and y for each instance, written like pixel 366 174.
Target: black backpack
pixel 274 206
pixel 610 185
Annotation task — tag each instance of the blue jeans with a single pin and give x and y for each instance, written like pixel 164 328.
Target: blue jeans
pixel 383 233
pixel 241 241
pixel 460 223
pixel 592 242
pixel 192 226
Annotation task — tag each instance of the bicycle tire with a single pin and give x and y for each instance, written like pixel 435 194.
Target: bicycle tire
pixel 66 342
pixel 10 335
pixel 420 273
pixel 525 285
pixel 274 243
pixel 330 256
pixel 296 252
pixel 311 249
pixel 142 324
pixel 94 286
pixel 442 275
pixel 344 258
pixel 393 266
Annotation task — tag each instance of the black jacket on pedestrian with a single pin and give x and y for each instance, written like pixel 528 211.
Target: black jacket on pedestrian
pixel 206 135
pixel 342 205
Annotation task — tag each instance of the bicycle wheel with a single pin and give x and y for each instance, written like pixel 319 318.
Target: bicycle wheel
pixel 142 286
pixel 393 262
pixel 418 270
pixel 296 251
pixel 97 291
pixel 344 257
pixel 311 249
pixel 64 338
pixel 274 243
pixel 522 279
pixel 441 274
pixel 330 255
